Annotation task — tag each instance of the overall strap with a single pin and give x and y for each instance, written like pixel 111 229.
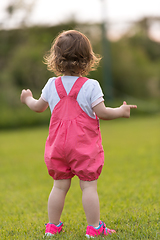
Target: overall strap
pixel 77 86
pixel 60 88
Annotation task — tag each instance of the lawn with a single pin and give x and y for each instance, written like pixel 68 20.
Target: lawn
pixel 129 186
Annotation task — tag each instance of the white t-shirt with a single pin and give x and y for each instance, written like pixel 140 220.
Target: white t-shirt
pixel 89 95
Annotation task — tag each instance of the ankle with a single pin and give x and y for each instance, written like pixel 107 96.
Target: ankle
pixel 56 224
pixel 95 225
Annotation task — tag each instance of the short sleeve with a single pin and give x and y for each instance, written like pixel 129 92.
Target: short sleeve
pixel 45 91
pixel 96 92
pixel 99 100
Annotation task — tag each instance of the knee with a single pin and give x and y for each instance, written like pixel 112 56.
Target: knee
pixel 88 184
pixel 63 184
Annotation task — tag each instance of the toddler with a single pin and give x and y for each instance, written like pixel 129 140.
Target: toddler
pixel 73 146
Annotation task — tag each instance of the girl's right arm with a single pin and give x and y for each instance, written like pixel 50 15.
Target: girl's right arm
pixel 35 105
pixel 107 113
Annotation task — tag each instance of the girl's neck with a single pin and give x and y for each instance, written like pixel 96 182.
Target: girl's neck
pixel 74 75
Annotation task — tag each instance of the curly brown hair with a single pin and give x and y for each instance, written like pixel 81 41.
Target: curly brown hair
pixel 71 54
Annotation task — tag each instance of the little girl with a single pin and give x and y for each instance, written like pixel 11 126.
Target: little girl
pixel 74 146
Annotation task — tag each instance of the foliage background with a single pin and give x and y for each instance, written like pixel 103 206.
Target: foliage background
pixel 135 61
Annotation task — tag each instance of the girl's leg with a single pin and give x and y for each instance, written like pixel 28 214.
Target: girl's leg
pixel 90 202
pixel 56 199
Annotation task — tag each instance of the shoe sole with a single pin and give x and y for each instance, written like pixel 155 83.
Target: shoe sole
pixel 88 236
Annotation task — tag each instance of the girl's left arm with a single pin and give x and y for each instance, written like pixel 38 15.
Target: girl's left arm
pixel 35 105
pixel 107 113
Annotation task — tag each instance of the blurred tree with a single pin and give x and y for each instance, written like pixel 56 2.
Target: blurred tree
pixel 18 12
pixel 139 35
pixel 131 70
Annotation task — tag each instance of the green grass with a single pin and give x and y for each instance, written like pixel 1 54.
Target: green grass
pixel 129 186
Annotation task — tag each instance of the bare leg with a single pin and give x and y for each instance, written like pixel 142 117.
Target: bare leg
pixel 56 199
pixel 90 202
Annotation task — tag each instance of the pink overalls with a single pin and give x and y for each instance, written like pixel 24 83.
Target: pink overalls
pixel 73 146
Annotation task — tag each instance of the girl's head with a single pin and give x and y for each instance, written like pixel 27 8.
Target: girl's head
pixel 71 54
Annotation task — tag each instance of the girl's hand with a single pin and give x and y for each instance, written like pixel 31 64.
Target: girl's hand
pixel 25 94
pixel 126 109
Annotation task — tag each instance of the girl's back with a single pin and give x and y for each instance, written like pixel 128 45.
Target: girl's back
pixel 87 97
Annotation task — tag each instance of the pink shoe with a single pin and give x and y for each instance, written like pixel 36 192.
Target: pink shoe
pixel 92 232
pixel 52 229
